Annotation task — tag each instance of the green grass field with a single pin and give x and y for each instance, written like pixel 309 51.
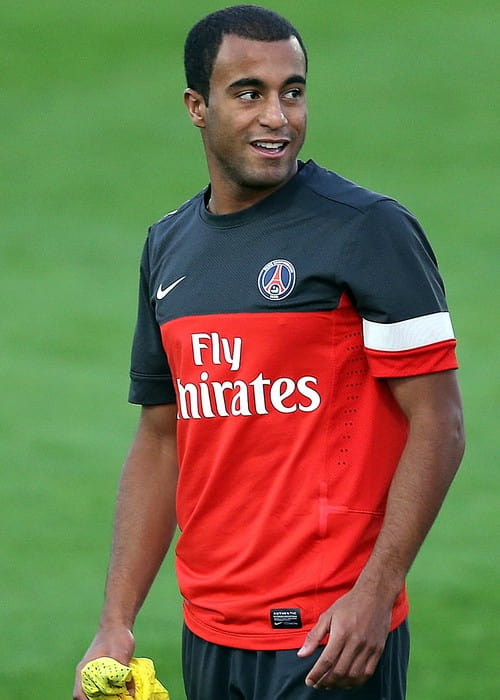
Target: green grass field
pixel 95 147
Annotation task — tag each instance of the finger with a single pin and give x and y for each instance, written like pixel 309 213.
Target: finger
pixel 324 664
pixel 315 636
pixel 332 668
pixel 354 666
pixel 78 693
pixel 362 669
pixel 340 680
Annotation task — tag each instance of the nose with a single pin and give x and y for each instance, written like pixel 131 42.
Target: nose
pixel 272 114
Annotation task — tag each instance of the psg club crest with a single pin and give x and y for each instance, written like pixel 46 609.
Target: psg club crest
pixel 276 280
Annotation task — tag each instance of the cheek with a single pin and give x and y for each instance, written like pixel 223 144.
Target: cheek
pixel 300 121
pixel 223 128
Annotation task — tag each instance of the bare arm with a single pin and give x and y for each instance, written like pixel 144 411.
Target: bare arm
pixel 358 623
pixel 144 525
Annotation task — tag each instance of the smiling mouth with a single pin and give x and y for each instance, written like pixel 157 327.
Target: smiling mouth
pixel 270 148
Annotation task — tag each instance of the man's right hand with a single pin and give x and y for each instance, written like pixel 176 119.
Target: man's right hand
pixel 116 642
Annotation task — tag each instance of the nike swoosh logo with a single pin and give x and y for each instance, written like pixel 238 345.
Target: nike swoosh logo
pixel 162 293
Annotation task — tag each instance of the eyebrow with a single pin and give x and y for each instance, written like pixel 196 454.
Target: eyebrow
pixel 257 82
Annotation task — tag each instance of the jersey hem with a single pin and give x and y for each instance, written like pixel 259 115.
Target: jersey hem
pixel 286 640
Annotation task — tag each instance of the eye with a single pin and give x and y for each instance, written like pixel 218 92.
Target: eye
pixel 294 94
pixel 248 95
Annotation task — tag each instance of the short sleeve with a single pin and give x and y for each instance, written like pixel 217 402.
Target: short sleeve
pixel 393 279
pixel 150 376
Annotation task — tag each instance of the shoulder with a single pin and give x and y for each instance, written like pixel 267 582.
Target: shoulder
pixel 172 218
pixel 330 186
pixel 372 216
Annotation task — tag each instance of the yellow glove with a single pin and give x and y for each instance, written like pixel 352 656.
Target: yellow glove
pixel 106 678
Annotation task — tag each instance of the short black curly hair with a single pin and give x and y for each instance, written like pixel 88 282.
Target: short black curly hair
pixel 247 21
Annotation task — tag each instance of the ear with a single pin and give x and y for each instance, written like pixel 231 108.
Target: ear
pixel 196 107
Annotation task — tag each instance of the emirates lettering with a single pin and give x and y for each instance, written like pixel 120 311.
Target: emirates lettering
pixel 218 349
pixel 209 398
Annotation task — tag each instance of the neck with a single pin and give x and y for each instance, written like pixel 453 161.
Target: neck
pixel 229 198
pixel 221 204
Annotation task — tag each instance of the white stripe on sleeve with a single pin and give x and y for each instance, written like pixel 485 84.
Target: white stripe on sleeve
pixel 406 335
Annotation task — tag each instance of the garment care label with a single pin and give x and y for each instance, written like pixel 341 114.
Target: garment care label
pixel 285 618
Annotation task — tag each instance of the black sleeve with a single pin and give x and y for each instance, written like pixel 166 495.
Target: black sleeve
pixel 150 376
pixel 391 271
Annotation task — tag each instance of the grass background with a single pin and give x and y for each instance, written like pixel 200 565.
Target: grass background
pixel 95 146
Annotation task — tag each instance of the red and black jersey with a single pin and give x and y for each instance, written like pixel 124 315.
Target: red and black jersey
pixel 272 329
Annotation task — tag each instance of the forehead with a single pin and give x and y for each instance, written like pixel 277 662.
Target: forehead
pixel 270 61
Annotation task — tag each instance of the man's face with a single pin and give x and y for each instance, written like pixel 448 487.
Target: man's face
pixel 255 121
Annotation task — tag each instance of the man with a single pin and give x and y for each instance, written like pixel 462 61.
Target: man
pixel 301 420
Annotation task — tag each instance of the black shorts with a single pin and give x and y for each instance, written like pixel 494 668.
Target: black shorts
pixel 213 672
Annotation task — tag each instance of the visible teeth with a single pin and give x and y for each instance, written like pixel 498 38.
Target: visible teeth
pixel 270 146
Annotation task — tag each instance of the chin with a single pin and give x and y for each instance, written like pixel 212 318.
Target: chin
pixel 272 175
